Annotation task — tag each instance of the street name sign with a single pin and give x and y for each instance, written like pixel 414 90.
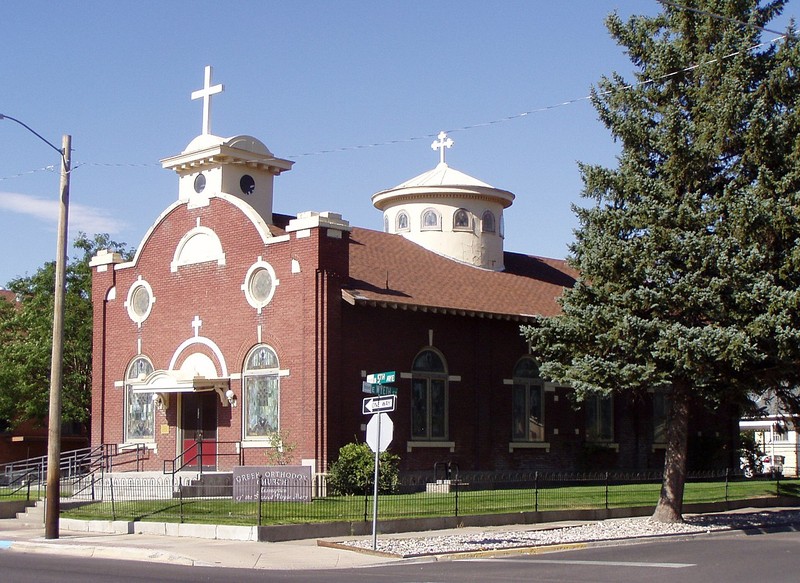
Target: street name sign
pixel 378 404
pixel 382 378
pixel 371 389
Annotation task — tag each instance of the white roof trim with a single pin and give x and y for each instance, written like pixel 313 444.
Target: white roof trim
pixel 172 381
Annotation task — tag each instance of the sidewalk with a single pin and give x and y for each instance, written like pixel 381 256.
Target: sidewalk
pixel 16 535
pixel 302 554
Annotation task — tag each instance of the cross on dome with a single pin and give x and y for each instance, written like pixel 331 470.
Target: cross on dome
pixel 440 144
pixel 205 93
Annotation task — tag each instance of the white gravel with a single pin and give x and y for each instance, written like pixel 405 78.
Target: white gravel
pixel 607 530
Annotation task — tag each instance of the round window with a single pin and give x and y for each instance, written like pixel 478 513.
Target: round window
pixel 199 183
pixel 247 184
pixel 140 301
pixel 261 285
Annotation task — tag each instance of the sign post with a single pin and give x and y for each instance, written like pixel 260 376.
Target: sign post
pixel 375 486
pixel 378 438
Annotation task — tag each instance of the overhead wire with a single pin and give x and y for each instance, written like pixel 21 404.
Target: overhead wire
pixel 505 119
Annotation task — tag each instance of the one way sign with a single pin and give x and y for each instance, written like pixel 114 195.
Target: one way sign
pixel 379 404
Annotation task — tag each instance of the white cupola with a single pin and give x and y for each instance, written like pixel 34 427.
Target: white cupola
pixel 240 166
pixel 448 212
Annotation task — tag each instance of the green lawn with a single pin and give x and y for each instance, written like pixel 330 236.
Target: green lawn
pixel 420 505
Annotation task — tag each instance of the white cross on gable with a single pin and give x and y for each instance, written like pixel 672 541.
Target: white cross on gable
pixel 196 323
pixel 440 144
pixel 205 93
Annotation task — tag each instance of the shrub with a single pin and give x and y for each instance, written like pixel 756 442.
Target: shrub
pixel 353 472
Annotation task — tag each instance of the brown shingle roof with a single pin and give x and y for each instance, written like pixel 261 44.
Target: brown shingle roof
pixel 389 271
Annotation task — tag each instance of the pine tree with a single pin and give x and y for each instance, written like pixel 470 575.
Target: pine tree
pixel 689 254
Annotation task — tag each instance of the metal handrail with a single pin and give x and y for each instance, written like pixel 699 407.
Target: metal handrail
pixel 24 482
pixel 171 468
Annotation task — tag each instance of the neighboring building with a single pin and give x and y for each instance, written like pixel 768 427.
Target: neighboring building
pixel 775 433
pixel 248 330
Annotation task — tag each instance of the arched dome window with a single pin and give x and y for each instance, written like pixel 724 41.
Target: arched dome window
pixel 431 220
pixel 461 220
pixel 487 222
pixel 401 221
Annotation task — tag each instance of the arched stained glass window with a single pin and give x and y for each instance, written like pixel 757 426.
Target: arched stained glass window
pixel 261 383
pixel 140 419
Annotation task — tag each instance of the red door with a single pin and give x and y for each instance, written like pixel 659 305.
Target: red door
pixel 199 429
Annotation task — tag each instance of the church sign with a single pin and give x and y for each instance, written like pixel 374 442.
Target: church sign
pixel 278 483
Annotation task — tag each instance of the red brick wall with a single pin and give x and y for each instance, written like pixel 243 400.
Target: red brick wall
pixel 325 344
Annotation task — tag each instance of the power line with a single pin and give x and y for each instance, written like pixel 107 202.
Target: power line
pixel 464 128
pixel 28 172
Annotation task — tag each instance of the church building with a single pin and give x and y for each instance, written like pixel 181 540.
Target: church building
pixel 237 335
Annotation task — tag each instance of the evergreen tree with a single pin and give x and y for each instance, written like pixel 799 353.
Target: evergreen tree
pixel 26 334
pixel 689 254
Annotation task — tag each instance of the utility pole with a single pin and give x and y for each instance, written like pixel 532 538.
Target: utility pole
pixel 53 498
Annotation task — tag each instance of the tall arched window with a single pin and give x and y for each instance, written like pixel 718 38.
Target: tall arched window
pixel 527 402
pixel 429 397
pixel 140 418
pixel 261 383
pixel 487 222
pixel 431 220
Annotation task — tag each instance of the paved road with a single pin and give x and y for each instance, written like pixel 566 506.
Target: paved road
pixel 739 556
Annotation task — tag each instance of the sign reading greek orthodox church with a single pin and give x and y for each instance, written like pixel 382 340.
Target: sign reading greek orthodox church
pixel 278 483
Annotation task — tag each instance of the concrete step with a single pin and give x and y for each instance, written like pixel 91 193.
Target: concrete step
pixel 33 515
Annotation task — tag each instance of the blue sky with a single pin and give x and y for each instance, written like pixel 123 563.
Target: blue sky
pixel 353 91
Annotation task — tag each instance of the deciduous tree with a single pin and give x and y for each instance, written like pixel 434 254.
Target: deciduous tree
pixel 26 333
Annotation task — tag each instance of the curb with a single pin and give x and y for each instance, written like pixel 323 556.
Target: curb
pixel 100 552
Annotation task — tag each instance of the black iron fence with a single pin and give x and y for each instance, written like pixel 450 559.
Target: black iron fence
pixel 262 501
